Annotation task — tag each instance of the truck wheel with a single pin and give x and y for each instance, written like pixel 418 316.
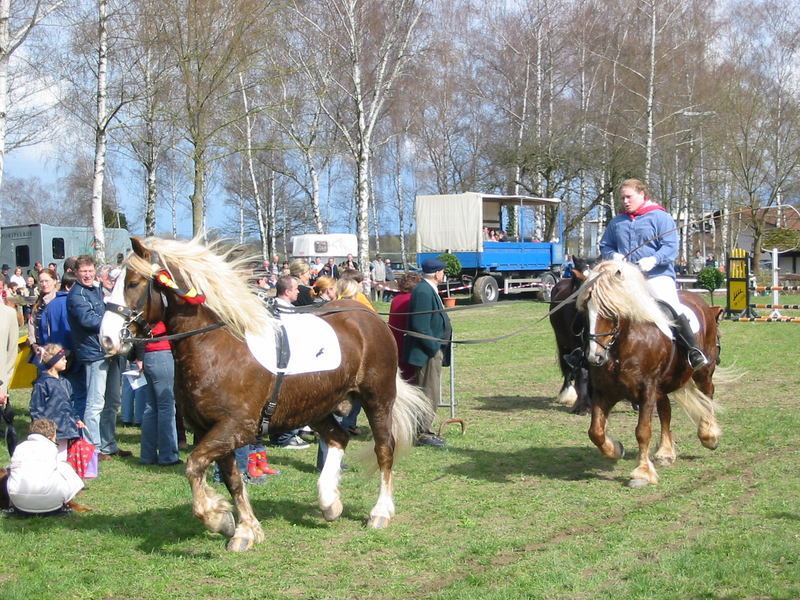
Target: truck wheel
pixel 548 281
pixel 485 290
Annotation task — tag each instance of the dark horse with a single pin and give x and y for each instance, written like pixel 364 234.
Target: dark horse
pixel 221 388
pixel 568 325
pixel 631 357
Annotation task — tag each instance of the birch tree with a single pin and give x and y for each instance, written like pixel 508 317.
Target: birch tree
pixel 211 41
pixel 16 23
pixel 372 45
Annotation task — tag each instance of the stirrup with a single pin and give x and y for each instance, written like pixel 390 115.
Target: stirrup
pixel 696 358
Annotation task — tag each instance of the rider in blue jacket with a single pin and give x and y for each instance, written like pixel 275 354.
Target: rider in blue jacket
pixel 646 234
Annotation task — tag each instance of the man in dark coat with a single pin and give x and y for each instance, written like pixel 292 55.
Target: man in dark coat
pixel 85 310
pixel 428 355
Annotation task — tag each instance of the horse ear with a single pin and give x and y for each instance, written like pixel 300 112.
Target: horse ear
pixel 717 312
pixel 139 248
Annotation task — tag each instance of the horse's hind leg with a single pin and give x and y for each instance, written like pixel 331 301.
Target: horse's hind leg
pixel 248 532
pixel 708 430
pixel 645 473
pixel 666 454
pixel 379 420
pixel 336 438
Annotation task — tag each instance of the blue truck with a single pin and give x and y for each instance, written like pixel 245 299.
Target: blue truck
pixel 454 223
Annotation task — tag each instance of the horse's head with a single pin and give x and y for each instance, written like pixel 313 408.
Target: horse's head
pixel 614 291
pixel 582 267
pixel 135 304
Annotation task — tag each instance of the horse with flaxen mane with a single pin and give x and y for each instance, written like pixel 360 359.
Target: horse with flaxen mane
pixel 631 357
pixel 221 388
pixel 568 326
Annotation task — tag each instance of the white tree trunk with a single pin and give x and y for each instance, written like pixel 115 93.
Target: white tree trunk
pixel 101 125
pixel 10 41
pixel 262 222
pixel 651 93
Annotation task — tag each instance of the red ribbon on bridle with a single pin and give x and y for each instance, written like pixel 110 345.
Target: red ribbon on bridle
pixel 192 296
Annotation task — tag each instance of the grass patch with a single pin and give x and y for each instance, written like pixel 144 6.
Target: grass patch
pixel 521 506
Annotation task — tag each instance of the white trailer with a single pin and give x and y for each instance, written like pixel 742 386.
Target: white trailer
pixel 24 245
pixel 336 245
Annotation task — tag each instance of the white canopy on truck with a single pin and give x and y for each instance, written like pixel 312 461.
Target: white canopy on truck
pixel 454 222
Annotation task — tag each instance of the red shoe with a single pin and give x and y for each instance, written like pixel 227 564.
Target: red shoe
pixel 261 458
pixel 252 466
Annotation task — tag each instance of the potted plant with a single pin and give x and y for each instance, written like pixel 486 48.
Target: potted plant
pixel 710 278
pixel 452 269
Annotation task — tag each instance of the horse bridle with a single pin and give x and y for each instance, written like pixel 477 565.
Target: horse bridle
pixel 134 316
pixel 613 334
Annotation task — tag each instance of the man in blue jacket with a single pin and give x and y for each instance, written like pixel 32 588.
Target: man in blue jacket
pixel 428 355
pixel 85 309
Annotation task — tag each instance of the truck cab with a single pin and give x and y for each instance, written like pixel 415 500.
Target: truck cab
pixel 456 224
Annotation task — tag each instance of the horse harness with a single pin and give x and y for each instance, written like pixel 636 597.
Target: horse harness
pixel 283 354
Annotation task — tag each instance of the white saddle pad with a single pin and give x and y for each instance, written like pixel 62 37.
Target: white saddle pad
pixel 312 342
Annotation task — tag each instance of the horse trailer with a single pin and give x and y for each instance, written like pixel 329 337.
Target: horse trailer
pixel 24 245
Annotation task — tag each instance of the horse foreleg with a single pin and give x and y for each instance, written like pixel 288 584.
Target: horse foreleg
pixel 609 448
pixel 567 395
pixel 645 473
pixel 666 453
pixel 248 532
pixel 209 506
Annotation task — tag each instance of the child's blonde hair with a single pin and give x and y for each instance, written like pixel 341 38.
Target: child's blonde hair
pixel 50 350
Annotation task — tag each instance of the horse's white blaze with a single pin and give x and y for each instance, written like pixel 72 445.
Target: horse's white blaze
pixel 594 347
pixel 385 505
pixel 112 323
pixel 328 483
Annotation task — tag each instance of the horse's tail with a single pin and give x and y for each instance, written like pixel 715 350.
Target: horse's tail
pixel 411 412
pixel 701 410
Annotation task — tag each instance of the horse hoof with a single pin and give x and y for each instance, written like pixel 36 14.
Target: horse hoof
pixel 240 544
pixel 332 512
pixel 638 483
pixel 378 522
pixel 664 461
pixel 710 444
pixel 224 524
pixel 618 452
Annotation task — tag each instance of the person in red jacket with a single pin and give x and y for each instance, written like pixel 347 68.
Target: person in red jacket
pixel 159 441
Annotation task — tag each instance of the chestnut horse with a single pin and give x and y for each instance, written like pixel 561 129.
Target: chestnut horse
pixel 631 358
pixel 568 326
pixel 222 389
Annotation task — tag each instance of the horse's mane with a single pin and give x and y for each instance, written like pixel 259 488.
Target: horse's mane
pixel 618 289
pixel 219 277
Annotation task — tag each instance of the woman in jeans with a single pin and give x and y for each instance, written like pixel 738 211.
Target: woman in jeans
pixel 159 440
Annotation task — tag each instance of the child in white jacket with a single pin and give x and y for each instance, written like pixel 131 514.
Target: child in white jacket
pixel 37 481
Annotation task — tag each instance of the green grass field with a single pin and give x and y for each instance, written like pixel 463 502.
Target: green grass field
pixel 520 506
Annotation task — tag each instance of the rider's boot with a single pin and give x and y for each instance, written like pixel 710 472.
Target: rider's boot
pixel 685 336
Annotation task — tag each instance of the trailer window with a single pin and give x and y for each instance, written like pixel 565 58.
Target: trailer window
pixel 22 256
pixel 58 247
